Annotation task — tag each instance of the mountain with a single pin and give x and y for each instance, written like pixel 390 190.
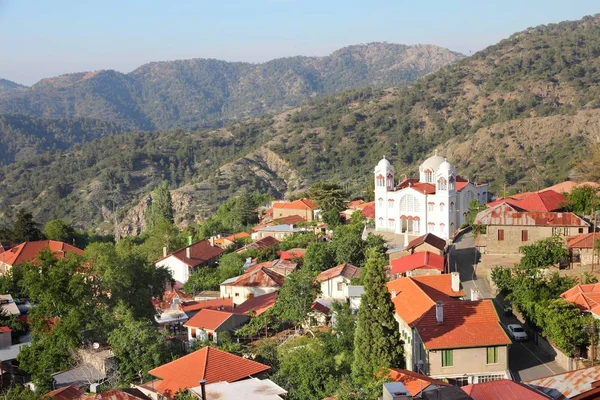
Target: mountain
pixel 521 114
pixel 201 92
pixel 7 86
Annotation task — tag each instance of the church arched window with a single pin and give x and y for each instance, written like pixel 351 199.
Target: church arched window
pixel 409 203
pixel 381 221
pixel 391 223
pixel 380 181
pixel 390 181
pixel 430 227
pixel 380 202
pixel 452 207
pixel 428 176
pixel 442 184
pixel 442 227
pixel 391 203
pixel 452 183
pixel 442 205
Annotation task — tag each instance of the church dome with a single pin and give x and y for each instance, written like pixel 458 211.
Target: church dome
pixel 446 167
pixel 384 165
pixel 433 163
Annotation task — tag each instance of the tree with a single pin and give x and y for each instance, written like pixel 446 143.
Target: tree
pixel 162 234
pixel 161 207
pixel 544 252
pixel 25 228
pixel 59 230
pixel 349 246
pixel 202 279
pixel 566 326
pixel 377 338
pixel 329 196
pixel 230 265
pixel 137 345
pixel 582 199
pixel 319 256
pixel 19 393
pixel 475 207
pixel 295 297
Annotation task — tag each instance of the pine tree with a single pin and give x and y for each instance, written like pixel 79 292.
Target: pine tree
pixel 25 228
pixel 161 207
pixel 377 338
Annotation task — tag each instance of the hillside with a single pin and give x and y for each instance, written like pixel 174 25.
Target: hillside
pixel 520 113
pixel 201 92
pixel 7 86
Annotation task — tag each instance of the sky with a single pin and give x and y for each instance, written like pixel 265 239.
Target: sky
pixel 41 38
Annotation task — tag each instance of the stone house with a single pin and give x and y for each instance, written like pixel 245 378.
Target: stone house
pixel 581 248
pixel 304 208
pixel 506 229
pixel 255 282
pixel 421 263
pixel 428 242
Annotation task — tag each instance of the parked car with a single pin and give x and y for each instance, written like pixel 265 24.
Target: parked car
pixel 517 332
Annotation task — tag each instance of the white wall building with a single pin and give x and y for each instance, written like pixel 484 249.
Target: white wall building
pixel 437 202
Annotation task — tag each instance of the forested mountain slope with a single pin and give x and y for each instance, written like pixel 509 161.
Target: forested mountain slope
pixel 520 113
pixel 200 92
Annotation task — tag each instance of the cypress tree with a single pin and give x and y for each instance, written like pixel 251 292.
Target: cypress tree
pixel 161 207
pixel 377 337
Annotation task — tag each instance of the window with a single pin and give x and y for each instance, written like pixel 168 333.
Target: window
pixel 340 286
pixel 194 333
pixel 380 180
pixel 442 227
pixel 381 221
pixel 489 378
pixel 428 176
pixel 447 358
pixel 380 202
pixel 237 294
pixel 452 207
pixel 460 381
pixel 524 235
pixel 391 203
pixel 500 234
pixel 580 230
pixel 451 185
pixel 430 206
pixel 430 227
pixel 391 223
pixel 555 231
pixel 567 231
pixel 442 184
pixel 409 203
pixel 442 207
pixel 492 355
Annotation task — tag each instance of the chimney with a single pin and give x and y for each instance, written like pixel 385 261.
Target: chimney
pixel 202 388
pixel 394 294
pixel 212 241
pixel 455 281
pixel 439 312
pixel 164 251
pixel 188 252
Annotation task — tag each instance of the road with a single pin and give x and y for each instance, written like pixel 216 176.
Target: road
pixel 526 359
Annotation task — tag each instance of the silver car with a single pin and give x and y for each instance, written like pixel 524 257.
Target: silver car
pixel 517 332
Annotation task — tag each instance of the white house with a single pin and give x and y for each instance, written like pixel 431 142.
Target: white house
pixel 437 202
pixel 255 282
pixel 334 280
pixel 207 324
pixel 183 262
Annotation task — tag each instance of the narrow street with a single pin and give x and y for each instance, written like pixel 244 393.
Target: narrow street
pixel 526 360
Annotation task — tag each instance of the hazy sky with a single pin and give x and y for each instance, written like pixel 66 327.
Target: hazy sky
pixel 42 38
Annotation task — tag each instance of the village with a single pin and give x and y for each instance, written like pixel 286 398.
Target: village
pixel 486 294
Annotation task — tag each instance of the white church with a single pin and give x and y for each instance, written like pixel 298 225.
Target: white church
pixel 437 202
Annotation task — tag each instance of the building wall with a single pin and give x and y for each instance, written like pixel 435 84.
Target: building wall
pixel 423 247
pixel 329 288
pixel 471 361
pixel 406 332
pixel 513 237
pixel 277 235
pixel 240 294
pixel 4 268
pixel 308 215
pixel 5 339
pixel 178 268
pixel 423 271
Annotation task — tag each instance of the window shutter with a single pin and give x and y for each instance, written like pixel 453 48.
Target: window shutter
pixel 500 234
pixel 524 235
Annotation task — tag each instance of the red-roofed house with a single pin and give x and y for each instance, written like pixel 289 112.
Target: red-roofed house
pixel 585 297
pixel 581 248
pixel 544 201
pixel 207 324
pixel 428 242
pixel 257 305
pixel 261 244
pixel 292 254
pixel 335 279
pixel 28 252
pixel 118 394
pixel 64 393
pixel 421 263
pixel 253 283
pixel 319 315
pixel 225 242
pixel 208 363
pixel 183 262
pixel 302 207
pixel 415 383
pixel 503 389
pixel 508 229
pixel 581 384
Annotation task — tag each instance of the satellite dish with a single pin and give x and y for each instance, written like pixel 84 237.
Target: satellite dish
pixel 96 346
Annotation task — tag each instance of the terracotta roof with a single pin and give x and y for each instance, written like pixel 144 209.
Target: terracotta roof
pixel 258 304
pixel 568 385
pixel 502 389
pixel 413 382
pixel 583 241
pixel 421 259
pixel 64 393
pixel 465 324
pixel 504 214
pixel 322 308
pixel 585 297
pixel 262 277
pixel 4 329
pixel 461 183
pixel 232 238
pixel 200 252
pixel 282 267
pixel 28 251
pixel 208 319
pixel 223 304
pixel 544 201
pixel 119 394
pixel 300 204
pixel 346 270
pixel 369 210
pixel 208 363
pixel 167 298
pixel 289 220
pixel 417 294
pixel 568 186
pixel 355 203
pixel 292 253
pixel 261 244
pixel 428 238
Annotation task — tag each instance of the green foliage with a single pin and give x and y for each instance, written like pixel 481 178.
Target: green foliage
pixel 566 326
pixel 474 208
pixel 377 338
pixel 19 393
pixel 330 197
pixel 25 228
pixel 59 230
pixel 349 246
pixel 583 199
pixel 295 297
pixel 207 278
pixel 319 256
pixel 502 278
pixel 298 240
pixel 162 234
pixel 185 394
pixel 543 253
pixel 160 209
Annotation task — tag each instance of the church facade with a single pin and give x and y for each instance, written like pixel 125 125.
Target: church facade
pixel 435 203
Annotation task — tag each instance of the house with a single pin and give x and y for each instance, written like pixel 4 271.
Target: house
pixel 585 297
pixel 334 279
pixel 227 241
pixel 568 186
pixel 436 202
pixel 415 383
pixel 94 367
pixel 507 229
pixel 304 208
pixel 248 389
pixel 428 242
pixel 421 263
pixel 177 308
pixel 319 315
pixel 581 248
pixel 261 244
pixel 118 394
pixel 208 363
pixel 28 252
pixel 207 324
pixel 581 384
pixel 257 305
pixel 353 294
pixel 183 262
pixel 445 393
pixel 253 283
pixel 64 393
pixel 278 232
pixel 290 220
pixel 292 254
pixel 282 267
pixel 503 389
pixel 543 201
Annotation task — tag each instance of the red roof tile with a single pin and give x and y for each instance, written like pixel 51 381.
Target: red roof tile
pixel 583 241
pixel 208 363
pixel 569 385
pixel 262 277
pixel 585 297
pixel 200 253
pixel 346 270
pixel 568 186
pixel 465 324
pixel 289 220
pixel 369 210
pixel 119 394
pixel 292 253
pixel 543 201
pixel 28 251
pixel 261 244
pixel 355 203
pixel 4 329
pixel 208 319
pixel 232 238
pixel 413 382
pixel 65 393
pixel 258 304
pixel 428 238
pixel 300 204
pixel 503 389
pixel 504 214
pixel 223 304
pixel 322 308
pixel 422 259
pixel 461 183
